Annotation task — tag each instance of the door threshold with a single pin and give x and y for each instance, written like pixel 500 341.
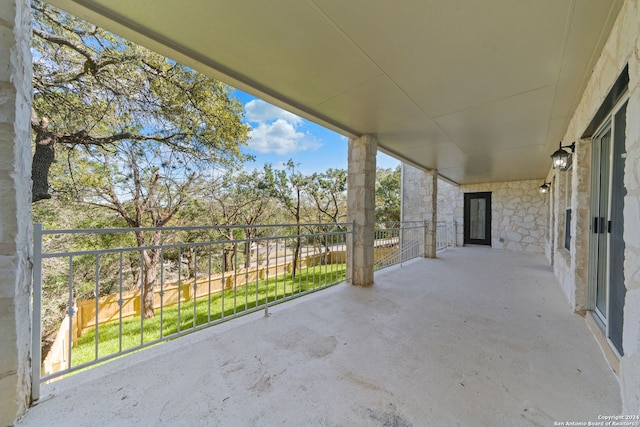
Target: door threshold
pixel 610 354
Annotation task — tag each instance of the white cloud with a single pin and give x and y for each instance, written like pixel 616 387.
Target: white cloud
pixel 276 130
pixel 258 111
pixel 280 137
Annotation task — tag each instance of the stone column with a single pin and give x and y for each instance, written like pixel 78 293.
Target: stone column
pixel 580 219
pixel 432 218
pixel 420 202
pixel 361 186
pixel 15 212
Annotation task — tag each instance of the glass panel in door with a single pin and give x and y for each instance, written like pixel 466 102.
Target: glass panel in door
pixel 600 221
pixel 477 218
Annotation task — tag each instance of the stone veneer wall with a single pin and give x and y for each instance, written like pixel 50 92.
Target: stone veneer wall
pixel 519 214
pixel 15 213
pixel 416 198
pixel 519 211
pixel 418 188
pixel 571 189
pixel 621 48
pixel 447 204
pixel 447 200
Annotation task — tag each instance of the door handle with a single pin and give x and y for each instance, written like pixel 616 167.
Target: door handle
pixel 599 225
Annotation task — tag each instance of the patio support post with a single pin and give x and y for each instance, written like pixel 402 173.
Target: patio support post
pixel 361 182
pixel 432 216
pixel 580 222
pixel 15 213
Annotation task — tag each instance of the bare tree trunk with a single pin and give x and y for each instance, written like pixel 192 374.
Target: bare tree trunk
pixel 43 158
pixel 150 263
pixel 151 259
pixel 249 234
pixel 190 255
pixel 135 272
pixel 296 255
pixel 227 259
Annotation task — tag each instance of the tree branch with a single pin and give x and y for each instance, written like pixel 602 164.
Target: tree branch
pixel 61 41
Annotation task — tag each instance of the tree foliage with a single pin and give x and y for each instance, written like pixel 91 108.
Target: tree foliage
pixel 388 196
pixel 93 89
pixel 328 191
pixel 244 199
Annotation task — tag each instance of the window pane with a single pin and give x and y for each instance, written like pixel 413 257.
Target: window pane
pixel 477 218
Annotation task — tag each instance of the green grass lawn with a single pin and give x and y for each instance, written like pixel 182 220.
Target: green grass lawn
pixel 173 319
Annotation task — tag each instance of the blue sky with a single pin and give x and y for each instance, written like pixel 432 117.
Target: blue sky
pixel 278 136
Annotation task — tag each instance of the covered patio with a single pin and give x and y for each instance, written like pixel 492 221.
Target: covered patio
pixel 475 94
pixel 474 337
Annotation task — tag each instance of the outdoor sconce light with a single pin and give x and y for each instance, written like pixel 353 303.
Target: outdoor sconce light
pixel 560 159
pixel 544 188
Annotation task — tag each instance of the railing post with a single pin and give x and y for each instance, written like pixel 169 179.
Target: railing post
pixel 36 321
pixel 350 250
pixel 401 239
pixel 425 235
pixel 451 233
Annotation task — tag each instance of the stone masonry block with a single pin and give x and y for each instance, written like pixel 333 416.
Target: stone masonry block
pixel 7 43
pixel 630 383
pixel 15 215
pixel 632 222
pixel 632 268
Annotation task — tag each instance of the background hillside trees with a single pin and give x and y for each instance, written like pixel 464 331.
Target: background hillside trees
pixel 244 200
pixel 388 195
pixel 288 187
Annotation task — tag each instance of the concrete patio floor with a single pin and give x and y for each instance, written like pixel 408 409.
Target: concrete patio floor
pixel 477 337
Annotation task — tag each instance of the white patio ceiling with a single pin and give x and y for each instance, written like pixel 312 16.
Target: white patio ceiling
pixel 480 90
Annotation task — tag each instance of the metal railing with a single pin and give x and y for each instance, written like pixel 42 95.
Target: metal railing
pixel 109 292
pixel 445 234
pixel 103 293
pixel 399 242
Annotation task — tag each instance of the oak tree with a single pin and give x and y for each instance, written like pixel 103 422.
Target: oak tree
pixel 143 127
pixel 95 89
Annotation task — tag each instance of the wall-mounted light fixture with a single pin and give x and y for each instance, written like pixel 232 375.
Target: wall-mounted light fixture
pixel 544 188
pixel 560 159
